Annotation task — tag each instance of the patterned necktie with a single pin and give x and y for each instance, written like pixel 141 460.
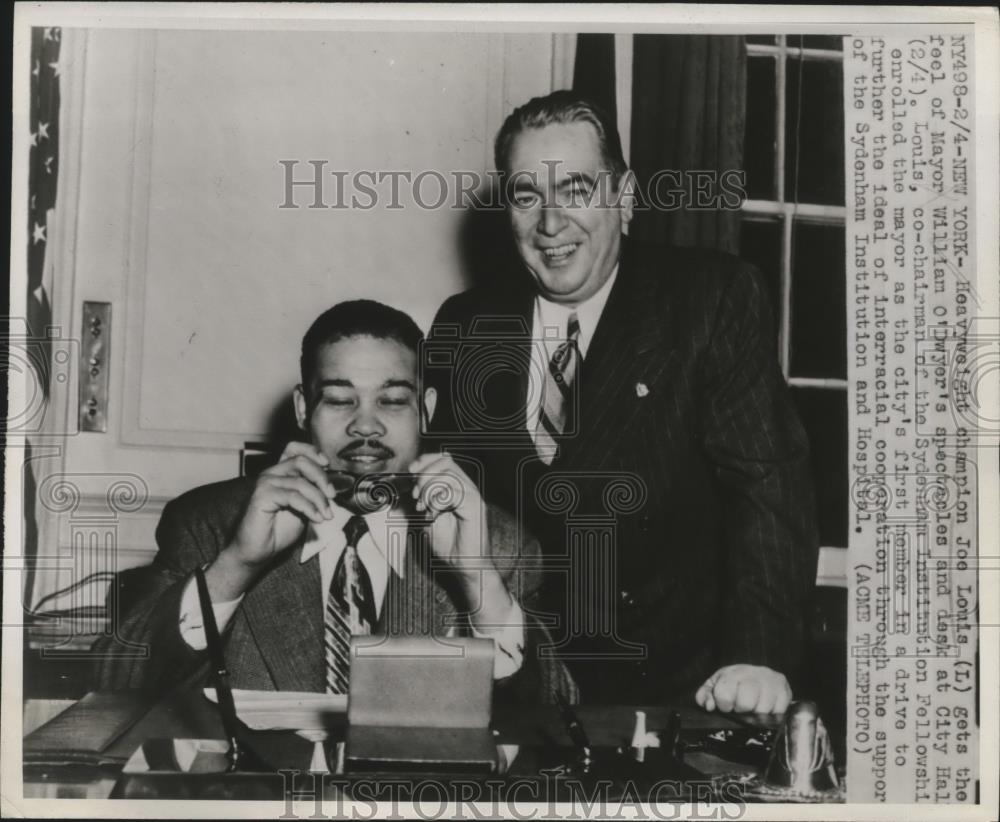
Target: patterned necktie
pixel 556 413
pixel 350 608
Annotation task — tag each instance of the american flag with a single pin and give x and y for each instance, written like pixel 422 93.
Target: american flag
pixel 42 176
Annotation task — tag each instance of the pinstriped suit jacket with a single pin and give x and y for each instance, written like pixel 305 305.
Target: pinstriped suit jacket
pixel 275 639
pixel 711 556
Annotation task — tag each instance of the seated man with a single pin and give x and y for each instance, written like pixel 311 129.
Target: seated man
pixel 292 573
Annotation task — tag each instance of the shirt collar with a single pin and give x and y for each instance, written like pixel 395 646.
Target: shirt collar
pixel 330 534
pixel 588 313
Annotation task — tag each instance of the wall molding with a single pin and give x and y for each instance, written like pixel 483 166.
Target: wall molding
pixel 95 535
pixel 563 60
pixel 132 430
pixel 623 90
pixel 97 504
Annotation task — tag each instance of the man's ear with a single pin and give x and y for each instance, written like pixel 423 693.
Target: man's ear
pixel 626 198
pixel 301 409
pixel 430 403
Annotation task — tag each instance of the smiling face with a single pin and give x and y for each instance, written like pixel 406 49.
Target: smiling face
pixel 363 408
pixel 566 215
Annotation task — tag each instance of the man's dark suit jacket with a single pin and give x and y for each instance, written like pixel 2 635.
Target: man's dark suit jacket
pixel 711 556
pixel 275 639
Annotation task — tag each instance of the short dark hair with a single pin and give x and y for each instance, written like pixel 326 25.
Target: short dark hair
pixel 356 318
pixel 562 107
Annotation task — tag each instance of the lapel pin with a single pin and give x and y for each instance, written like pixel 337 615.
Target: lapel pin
pixel 641 389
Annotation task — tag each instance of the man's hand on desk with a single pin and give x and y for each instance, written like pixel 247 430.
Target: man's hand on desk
pixel 745 688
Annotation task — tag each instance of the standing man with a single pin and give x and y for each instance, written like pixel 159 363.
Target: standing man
pixel 626 403
pixel 294 569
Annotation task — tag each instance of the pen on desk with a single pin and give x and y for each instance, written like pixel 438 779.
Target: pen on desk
pixel 221 673
pixel 574 728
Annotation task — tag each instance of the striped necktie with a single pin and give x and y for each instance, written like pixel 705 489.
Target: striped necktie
pixel 350 608
pixel 556 413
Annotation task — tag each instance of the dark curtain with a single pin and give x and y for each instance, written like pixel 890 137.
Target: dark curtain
pixel 688 114
pixel 594 69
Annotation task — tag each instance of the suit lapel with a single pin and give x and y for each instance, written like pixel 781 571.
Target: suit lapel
pixel 505 365
pixel 626 357
pixel 285 614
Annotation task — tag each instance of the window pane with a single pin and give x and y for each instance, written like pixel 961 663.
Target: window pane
pixel 814 132
pixel 819 328
pixel 824 415
pixel 833 42
pixel 760 244
pixel 759 140
pixel 763 39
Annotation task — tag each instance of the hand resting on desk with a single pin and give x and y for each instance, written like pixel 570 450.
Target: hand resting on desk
pixel 745 688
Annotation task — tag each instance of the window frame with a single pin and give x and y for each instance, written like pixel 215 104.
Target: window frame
pixel 785 212
pixel 832 560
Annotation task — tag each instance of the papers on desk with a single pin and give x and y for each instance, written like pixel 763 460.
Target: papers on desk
pixel 285 710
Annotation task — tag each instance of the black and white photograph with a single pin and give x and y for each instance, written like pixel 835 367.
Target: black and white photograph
pixel 456 411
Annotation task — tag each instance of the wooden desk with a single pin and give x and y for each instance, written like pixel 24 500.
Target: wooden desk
pixel 187 714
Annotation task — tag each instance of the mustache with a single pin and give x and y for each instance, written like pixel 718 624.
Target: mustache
pixel 371 448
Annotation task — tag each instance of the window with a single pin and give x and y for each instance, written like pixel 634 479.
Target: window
pixel 792 228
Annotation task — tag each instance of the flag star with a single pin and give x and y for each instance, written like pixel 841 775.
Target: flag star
pixel 43 130
pixel 47 33
pixel 34 139
pixel 48 164
pixel 55 69
pixel 37 69
pixel 38 235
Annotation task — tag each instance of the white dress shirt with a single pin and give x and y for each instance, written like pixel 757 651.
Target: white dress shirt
pixel 548 327
pixel 328 541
